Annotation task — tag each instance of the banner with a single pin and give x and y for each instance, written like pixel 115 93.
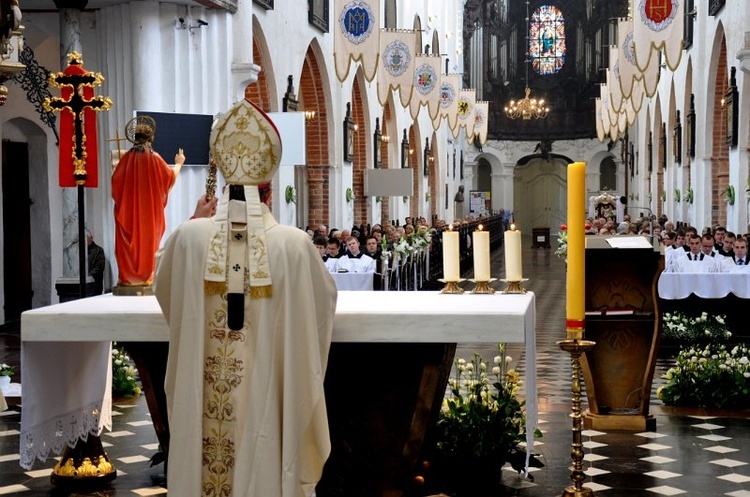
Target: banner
pixel 600 132
pixel 448 100
pixel 467 102
pixel 426 85
pixel 355 36
pixel 481 118
pixel 396 71
pixel 657 25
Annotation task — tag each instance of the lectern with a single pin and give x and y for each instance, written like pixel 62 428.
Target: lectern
pixel 622 318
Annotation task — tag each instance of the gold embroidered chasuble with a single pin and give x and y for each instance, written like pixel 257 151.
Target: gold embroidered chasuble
pixel 246 408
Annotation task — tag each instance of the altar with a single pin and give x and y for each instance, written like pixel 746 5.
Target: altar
pixel 66 364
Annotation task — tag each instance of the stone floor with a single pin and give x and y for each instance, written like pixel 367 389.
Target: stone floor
pixel 694 453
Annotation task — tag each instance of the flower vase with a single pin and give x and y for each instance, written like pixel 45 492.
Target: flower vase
pixel 4 382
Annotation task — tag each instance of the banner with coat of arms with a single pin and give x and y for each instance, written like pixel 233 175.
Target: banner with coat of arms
pixel 396 71
pixel 658 24
pixel 467 102
pixel 356 36
pixel 448 101
pixel 426 85
pixel 481 119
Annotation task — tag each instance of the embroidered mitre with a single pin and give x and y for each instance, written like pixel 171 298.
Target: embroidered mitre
pixel 246 147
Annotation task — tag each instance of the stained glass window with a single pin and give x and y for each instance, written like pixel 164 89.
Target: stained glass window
pixel 547 47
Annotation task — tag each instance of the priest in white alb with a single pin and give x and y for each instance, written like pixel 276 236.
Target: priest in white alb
pixel 250 309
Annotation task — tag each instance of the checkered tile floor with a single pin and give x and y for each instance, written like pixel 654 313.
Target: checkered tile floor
pixel 690 454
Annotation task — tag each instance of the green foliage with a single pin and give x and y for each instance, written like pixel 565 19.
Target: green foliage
pixel 123 374
pixel 482 423
pixel 695 330
pixel 7 370
pixel 709 376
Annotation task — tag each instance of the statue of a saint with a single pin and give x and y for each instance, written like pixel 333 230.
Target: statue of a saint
pixel 140 188
pixel 458 203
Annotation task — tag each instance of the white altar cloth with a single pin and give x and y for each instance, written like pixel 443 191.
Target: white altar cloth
pixel 674 286
pixel 353 281
pixel 70 344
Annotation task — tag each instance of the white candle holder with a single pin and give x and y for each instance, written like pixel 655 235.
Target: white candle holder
pixel 451 287
pixel 483 286
pixel 515 286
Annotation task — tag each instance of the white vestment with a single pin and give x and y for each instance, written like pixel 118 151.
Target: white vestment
pixel 362 264
pixel 273 369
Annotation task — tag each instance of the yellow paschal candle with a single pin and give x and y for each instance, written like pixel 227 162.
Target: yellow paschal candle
pixel 513 271
pixel 451 259
pixel 481 248
pixel 576 276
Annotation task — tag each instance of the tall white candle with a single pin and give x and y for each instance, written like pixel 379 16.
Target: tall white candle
pixel 451 259
pixel 481 248
pixel 513 270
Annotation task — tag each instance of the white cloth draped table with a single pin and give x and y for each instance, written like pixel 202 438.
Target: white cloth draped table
pixel 66 349
pixel 674 286
pixel 353 281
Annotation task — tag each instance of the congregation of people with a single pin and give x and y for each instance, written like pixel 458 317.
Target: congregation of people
pixel 713 250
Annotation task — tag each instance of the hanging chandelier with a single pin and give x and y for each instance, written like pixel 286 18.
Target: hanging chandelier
pixel 527 107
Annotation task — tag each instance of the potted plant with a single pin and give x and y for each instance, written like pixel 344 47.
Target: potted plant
pixel 123 374
pixel 482 425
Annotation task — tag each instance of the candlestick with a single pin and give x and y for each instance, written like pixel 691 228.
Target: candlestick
pixel 481 248
pixel 451 258
pixel 575 282
pixel 513 270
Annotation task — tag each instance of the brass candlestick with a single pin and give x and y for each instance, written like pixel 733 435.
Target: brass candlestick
pixel 575 348
pixel 451 287
pixel 515 286
pixel 483 286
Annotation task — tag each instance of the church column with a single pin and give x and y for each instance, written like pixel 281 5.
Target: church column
pixel 70 40
pixel 244 71
pixel 147 73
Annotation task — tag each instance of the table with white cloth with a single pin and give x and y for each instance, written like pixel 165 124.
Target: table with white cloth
pixel 673 286
pixel 714 293
pixel 66 348
pixel 354 281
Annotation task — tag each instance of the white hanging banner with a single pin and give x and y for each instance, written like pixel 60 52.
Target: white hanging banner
pixel 426 85
pixel 448 100
pixel 613 79
pixel 481 120
pixel 355 36
pixel 600 131
pixel 657 25
pixel 467 102
pixel 396 70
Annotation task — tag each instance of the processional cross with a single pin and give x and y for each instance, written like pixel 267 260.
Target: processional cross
pixel 78 147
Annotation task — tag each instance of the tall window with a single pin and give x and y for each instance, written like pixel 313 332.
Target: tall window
pixel 547 48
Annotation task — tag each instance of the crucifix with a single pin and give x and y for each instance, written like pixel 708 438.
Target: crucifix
pixel 78 137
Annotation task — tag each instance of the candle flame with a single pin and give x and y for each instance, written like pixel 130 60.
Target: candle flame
pixel 513 227
pixel 480 227
pixel 450 227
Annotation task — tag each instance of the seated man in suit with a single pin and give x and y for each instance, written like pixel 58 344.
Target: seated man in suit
pixel 321 244
pixel 738 261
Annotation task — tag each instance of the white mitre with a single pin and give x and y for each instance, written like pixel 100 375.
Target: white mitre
pixel 246 147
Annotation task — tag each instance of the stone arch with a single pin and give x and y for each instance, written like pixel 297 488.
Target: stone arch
pixel 414 163
pixel 362 160
pixel 716 176
pixel 35 256
pixel 312 94
pixel 258 91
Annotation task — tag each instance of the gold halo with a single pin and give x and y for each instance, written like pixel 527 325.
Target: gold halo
pixel 132 126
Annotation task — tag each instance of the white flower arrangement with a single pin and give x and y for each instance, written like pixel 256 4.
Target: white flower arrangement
pixel 7 370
